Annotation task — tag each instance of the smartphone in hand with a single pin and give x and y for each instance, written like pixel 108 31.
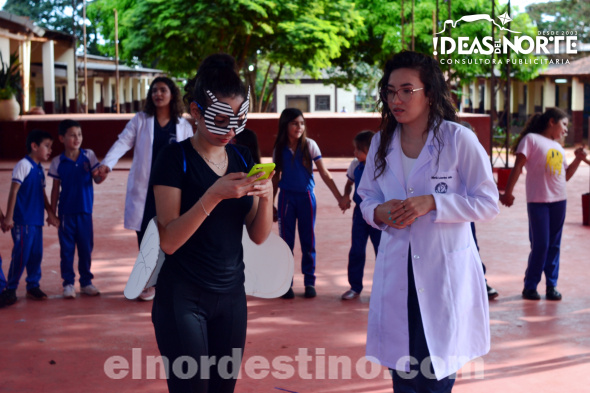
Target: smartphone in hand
pixel 266 168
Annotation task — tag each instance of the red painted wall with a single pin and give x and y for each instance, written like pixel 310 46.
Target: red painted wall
pixel 333 132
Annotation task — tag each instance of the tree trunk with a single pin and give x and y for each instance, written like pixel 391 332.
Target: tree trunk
pixel 272 89
pixel 264 87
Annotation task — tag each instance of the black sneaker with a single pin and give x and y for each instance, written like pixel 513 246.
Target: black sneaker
pixel 531 294
pixel 36 294
pixel 9 297
pixel 289 294
pixel 310 292
pixel 552 294
pixel 492 293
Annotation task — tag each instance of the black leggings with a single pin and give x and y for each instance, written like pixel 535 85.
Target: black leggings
pixel 193 325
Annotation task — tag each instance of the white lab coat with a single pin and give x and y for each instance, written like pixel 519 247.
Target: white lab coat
pixel 139 134
pixel 447 268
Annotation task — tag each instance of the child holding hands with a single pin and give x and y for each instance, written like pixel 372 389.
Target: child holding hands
pixel 73 172
pixel 24 217
pixel 294 154
pixel 361 231
pixel 538 149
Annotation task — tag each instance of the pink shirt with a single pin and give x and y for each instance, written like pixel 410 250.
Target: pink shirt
pixel 546 166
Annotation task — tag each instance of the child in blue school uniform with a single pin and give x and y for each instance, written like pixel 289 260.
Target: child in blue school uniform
pixel 2 277
pixel 72 173
pixel 361 231
pixel 24 217
pixel 294 155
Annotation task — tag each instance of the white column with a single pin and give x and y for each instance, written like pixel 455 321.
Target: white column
pixel 121 93
pixel 475 95
pixel 515 96
pixel 487 97
pixel 144 88
pixel 577 94
pixel 531 96
pixel 465 97
pixel 548 94
pixel 96 92
pixel 107 92
pixel 25 60
pixel 500 100
pixel 5 49
pixel 129 90
pixel 137 89
pixel 71 74
pixel 48 72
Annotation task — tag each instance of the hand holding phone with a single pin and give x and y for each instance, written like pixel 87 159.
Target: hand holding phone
pixel 266 168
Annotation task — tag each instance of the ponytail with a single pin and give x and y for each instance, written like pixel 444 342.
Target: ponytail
pixel 538 123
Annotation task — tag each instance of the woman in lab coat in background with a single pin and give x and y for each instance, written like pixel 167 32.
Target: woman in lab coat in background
pixel 426 179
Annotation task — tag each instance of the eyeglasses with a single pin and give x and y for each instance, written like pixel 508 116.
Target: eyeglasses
pixel 404 94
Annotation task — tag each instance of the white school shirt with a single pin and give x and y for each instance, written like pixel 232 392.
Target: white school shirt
pixel 139 134
pixel 447 269
pixel 545 169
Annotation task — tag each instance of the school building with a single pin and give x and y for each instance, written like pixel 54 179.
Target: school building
pixel 53 74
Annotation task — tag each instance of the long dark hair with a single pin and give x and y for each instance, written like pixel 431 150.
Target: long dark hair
pixel 435 88
pixel 175 101
pixel 217 73
pixel 538 123
pixel 249 139
pixel 287 116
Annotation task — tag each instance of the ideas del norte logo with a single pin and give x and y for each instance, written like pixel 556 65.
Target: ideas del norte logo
pixel 545 43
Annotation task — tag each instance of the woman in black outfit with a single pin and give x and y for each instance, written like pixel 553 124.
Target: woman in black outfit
pixel 203 199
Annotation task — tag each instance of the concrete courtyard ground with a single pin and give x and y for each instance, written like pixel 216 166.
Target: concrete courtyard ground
pixel 107 343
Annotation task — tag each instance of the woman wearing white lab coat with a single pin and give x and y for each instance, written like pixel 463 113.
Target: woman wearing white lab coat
pixel 159 124
pixel 426 178
pixel 139 135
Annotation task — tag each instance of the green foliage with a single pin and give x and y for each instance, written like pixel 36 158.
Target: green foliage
pixel 304 34
pixel 10 78
pixel 58 15
pixel 564 15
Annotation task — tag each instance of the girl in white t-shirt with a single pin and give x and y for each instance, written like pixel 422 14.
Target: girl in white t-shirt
pixel 539 151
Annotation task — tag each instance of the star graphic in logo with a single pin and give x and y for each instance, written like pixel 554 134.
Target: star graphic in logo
pixel 504 18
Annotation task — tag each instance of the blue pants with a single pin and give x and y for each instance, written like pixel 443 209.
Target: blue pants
pixel 361 232
pixel 75 230
pixel 545 227
pixel 301 207
pixel 2 277
pixel 420 383
pixel 27 252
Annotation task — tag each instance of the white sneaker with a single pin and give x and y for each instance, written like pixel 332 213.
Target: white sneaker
pixel 69 292
pixel 148 294
pixel 90 290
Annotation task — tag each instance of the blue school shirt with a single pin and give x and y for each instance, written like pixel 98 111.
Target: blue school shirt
pixel 354 174
pixel 295 176
pixel 30 198
pixel 77 194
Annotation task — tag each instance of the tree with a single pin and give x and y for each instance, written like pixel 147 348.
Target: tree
pixel 304 34
pixel 564 15
pixel 56 15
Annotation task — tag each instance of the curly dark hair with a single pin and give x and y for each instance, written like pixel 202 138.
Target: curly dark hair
pixel 435 88
pixel 287 116
pixel 538 123
pixel 175 102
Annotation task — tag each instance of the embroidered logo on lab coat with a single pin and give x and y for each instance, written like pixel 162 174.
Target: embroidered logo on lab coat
pixel 441 188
